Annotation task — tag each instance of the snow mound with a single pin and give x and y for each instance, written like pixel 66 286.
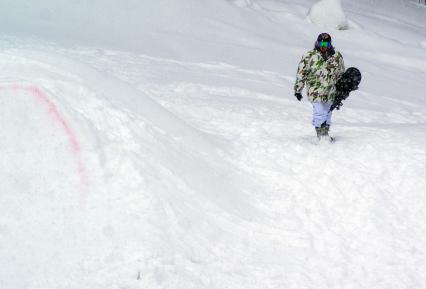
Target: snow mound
pixel 329 13
pixel 245 4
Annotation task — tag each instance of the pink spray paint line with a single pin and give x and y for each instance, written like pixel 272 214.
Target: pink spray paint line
pixel 58 118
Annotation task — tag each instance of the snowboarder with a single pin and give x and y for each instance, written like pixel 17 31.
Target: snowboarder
pixel 319 70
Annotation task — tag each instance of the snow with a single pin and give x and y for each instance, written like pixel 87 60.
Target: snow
pixel 329 13
pixel 158 144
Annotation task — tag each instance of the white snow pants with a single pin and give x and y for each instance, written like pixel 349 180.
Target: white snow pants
pixel 321 113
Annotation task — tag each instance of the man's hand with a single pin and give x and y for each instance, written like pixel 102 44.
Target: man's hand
pixel 298 95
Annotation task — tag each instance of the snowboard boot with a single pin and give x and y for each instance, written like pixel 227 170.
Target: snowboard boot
pixel 322 132
pixel 325 129
pixel 319 132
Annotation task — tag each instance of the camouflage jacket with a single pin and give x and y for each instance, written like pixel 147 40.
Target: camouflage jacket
pixel 319 75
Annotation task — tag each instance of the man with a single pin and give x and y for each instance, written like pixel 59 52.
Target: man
pixel 320 69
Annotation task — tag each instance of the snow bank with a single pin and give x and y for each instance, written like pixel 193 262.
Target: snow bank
pixel 88 160
pixel 402 12
pixel 155 26
pixel 329 13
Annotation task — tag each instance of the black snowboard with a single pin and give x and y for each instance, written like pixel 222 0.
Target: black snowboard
pixel 349 81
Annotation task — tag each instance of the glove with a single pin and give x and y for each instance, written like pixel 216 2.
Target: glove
pixel 298 95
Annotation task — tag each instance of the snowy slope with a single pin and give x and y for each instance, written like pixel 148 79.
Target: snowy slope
pixel 174 154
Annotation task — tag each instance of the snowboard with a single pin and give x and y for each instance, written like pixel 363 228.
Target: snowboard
pixel 348 82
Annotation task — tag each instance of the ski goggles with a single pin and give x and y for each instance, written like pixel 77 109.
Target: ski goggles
pixel 325 44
